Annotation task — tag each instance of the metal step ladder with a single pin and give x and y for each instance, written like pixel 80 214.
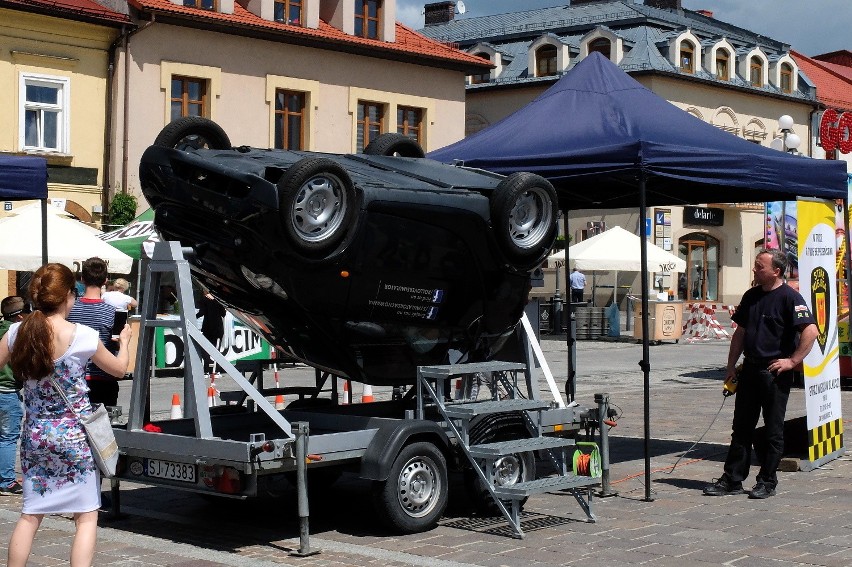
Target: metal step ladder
pixel 506 398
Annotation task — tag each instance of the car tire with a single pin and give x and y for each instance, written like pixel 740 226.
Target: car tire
pixel 523 217
pixel 317 204
pixel 394 144
pixel 193 133
pixel 509 470
pixel 415 494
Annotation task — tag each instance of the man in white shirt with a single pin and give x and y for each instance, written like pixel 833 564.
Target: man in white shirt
pixel 117 296
pixel 578 285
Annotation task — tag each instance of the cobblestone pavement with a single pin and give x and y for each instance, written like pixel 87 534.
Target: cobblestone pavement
pixel 807 523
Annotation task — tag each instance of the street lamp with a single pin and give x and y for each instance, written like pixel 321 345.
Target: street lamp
pixel 789 141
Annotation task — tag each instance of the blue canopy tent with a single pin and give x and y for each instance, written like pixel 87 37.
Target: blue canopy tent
pixel 605 141
pixel 23 178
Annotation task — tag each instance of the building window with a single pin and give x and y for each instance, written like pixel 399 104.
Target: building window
pixel 367 16
pixel 722 65
pixel 786 78
pixel 371 118
pixel 44 119
pixel 545 61
pixel 288 11
pixel 687 57
pixel 289 120
pixel 409 121
pixel 755 71
pixel 483 77
pixel 189 97
pixel 202 4
pixel 602 46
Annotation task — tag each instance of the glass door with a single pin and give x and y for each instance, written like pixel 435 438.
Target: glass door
pixel 701 280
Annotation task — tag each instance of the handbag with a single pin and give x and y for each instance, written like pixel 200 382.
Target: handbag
pixel 99 433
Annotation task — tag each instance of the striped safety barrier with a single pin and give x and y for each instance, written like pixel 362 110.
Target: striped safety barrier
pixel 702 324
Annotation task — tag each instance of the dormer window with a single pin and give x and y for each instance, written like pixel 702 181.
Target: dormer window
pixel 483 77
pixel 723 66
pixel 288 12
pixel 786 83
pixel 202 4
pixel 368 18
pixel 755 72
pixel 545 61
pixel 602 45
pixel 687 57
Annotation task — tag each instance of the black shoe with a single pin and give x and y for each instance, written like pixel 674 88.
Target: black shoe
pixel 723 487
pixel 761 491
pixel 13 488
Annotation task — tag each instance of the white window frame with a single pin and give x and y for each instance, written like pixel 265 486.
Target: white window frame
pixel 63 109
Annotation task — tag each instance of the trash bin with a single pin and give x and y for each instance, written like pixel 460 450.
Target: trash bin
pixel 665 320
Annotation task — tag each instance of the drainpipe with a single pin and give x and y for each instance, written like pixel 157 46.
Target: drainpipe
pixel 126 118
pixel 108 122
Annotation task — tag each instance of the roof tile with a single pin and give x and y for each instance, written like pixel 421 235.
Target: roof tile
pixel 86 8
pixel 407 40
pixel 833 82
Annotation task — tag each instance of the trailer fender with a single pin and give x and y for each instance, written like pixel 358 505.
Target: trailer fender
pixel 389 441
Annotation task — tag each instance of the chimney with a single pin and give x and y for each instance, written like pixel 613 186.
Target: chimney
pixel 665 4
pixel 706 13
pixel 439 12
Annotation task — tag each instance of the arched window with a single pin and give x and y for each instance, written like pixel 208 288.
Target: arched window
pixel 483 77
pixel 545 61
pixel 723 65
pixel 602 45
pixel 755 72
pixel 687 57
pixel 786 78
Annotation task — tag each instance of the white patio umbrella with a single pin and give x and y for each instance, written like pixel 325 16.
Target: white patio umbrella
pixel 616 250
pixel 69 242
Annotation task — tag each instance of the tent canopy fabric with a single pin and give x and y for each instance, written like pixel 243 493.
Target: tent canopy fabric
pixel 597 131
pixel 129 239
pixel 617 249
pixel 69 242
pixel 23 178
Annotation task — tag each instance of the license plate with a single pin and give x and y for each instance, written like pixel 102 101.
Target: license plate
pixel 169 470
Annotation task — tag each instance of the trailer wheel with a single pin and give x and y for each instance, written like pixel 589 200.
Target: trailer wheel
pixel 414 496
pixel 193 133
pixel 317 203
pixel 394 144
pixel 508 470
pixel 523 215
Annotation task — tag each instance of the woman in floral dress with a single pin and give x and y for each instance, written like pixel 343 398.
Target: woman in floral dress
pixel 60 475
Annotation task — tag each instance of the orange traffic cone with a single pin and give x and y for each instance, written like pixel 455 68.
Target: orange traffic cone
pixel 347 399
pixel 279 402
pixel 211 396
pixel 367 394
pixel 457 395
pixel 177 410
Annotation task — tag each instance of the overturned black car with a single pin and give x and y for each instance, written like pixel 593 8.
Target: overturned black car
pixel 364 265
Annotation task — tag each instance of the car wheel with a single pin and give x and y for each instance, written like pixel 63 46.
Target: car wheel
pixel 317 203
pixel 415 495
pixel 508 470
pixel 523 215
pixel 193 133
pixel 394 144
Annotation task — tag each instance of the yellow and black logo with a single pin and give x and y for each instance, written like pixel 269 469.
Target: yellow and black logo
pixel 821 303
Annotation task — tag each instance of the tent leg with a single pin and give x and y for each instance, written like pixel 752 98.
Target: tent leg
pixel 644 363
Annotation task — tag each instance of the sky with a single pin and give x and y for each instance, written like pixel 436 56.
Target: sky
pixel 809 26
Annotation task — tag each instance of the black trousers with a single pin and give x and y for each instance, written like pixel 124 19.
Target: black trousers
pixel 576 295
pixel 103 392
pixel 759 390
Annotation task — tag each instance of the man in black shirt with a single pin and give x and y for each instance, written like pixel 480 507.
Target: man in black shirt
pixel 769 318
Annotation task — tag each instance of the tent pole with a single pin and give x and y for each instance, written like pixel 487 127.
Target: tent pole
pixel 571 382
pixel 44 231
pixel 644 363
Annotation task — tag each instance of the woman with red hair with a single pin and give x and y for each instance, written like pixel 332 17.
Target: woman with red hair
pixel 59 473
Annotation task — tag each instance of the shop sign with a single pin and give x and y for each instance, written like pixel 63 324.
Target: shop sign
pixel 703 216
pixel 835 131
